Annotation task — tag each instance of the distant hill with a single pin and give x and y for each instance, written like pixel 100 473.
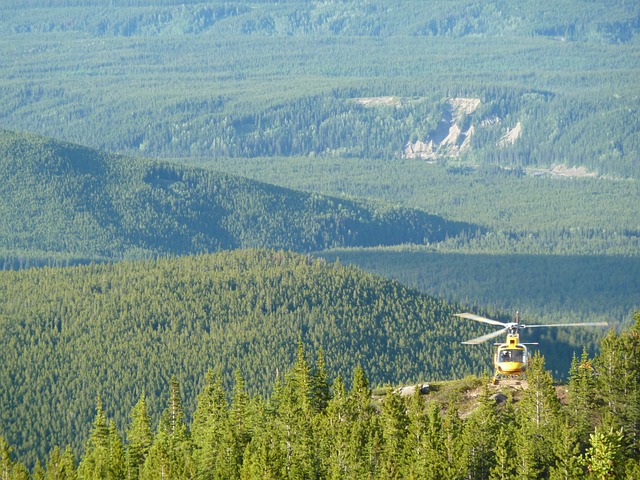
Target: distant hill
pixel 116 330
pixel 544 82
pixel 62 203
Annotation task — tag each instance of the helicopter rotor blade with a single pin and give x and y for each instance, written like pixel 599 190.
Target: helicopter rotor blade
pixel 484 338
pixel 478 318
pixel 589 324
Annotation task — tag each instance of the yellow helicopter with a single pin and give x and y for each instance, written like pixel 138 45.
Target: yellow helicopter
pixel 511 357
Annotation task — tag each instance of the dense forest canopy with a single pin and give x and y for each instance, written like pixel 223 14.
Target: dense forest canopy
pixel 483 151
pixel 62 203
pixel 549 288
pixel 540 214
pixel 69 334
pixel 65 204
pixel 313 426
pixel 253 78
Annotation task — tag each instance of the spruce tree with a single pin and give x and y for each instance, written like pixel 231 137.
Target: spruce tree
pixel 452 443
pixel 431 463
pixel 9 468
pixel 38 472
pixel 604 456
pixel 139 438
pixel 567 447
pixel 335 438
pixel 479 437
pixel 582 398
pixel 394 425
pixel 158 464
pixel 294 421
pixel 503 468
pixel 416 431
pixel 95 462
pixel 320 385
pixel 170 456
pixel 364 442
pixel 213 440
pixel 117 460
pixel 239 415
pixel 504 444
pixel 618 369
pixel 60 466
pixel 173 418
pixel 264 456
pixel 537 418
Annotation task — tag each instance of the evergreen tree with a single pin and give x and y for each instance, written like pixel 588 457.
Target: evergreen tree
pixel 503 468
pixel 394 425
pixel 60 466
pixel 568 463
pixel 618 367
pixel 604 457
pixel 170 455
pixel 416 431
pixel 452 444
pixel 582 398
pixel 117 459
pixel 10 469
pixel 505 450
pixel 364 443
pixel 172 420
pixel 336 432
pixel 239 415
pixel 96 461
pixel 320 385
pixel 294 421
pixel 479 437
pixel 159 462
pixel 264 457
pixel 139 438
pixel 213 439
pixel 38 472
pixel 438 442
pixel 537 420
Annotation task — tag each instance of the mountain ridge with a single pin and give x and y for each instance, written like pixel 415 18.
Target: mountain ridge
pixel 71 200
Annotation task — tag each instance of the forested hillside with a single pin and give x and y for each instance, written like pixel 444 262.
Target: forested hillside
pixel 542 82
pixel 526 212
pixel 485 152
pixel 556 248
pixel 547 288
pixel 122 329
pixel 312 426
pixel 61 203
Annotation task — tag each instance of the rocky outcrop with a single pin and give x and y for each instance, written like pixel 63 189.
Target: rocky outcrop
pixel 510 137
pixel 409 390
pixel 452 136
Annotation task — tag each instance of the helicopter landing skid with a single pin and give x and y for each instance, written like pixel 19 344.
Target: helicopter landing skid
pixel 509 380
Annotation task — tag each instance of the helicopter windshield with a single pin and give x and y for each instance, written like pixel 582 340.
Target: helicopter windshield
pixel 511 355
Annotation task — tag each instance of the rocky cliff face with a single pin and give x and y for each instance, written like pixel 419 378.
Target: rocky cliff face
pixel 453 134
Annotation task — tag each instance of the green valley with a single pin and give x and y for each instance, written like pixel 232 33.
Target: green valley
pixel 533 83
pixel 190 189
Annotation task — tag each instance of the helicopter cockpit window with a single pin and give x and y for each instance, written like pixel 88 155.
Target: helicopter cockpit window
pixel 512 356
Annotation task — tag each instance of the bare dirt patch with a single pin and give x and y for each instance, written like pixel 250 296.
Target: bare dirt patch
pixel 560 170
pixel 378 101
pixel 511 136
